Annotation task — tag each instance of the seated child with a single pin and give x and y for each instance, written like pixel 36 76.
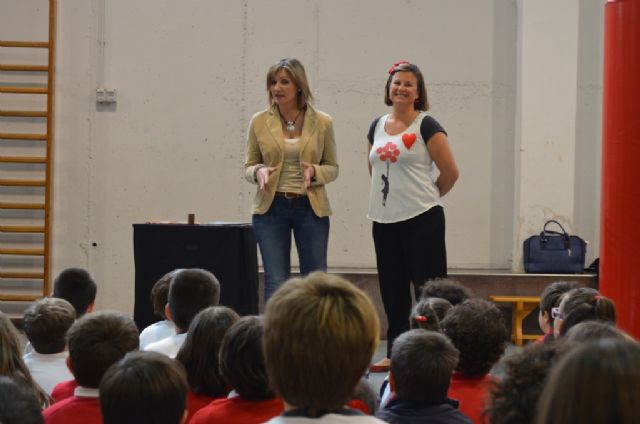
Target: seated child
pixel 320 333
pixel 242 366
pixel 11 363
pixel 46 322
pixel 447 289
pixel 76 286
pixel 579 305
pixel 164 328
pixel 200 356
pixel 590 331
pixel 514 399
pixel 364 398
pixel 190 291
pixel 421 365
pixel 144 388
pixel 549 299
pixel 18 405
pixel 477 329
pixel 96 341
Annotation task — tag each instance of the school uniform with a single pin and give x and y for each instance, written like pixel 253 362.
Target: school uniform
pixel 238 410
pixel 81 408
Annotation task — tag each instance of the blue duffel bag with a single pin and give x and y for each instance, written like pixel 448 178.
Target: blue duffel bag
pixel 554 252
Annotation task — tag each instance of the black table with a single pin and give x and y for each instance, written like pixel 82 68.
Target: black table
pixel 229 251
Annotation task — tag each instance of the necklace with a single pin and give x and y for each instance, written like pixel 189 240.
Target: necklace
pixel 291 125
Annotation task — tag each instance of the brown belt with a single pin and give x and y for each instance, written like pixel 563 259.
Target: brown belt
pixel 289 194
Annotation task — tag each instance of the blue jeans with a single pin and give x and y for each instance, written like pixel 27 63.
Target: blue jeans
pixel 273 233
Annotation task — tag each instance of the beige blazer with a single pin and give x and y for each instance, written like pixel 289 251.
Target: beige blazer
pixel 265 146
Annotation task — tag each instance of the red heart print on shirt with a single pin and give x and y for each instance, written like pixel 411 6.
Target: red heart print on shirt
pixel 408 140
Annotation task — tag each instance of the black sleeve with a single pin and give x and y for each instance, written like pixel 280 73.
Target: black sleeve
pixel 372 130
pixel 428 127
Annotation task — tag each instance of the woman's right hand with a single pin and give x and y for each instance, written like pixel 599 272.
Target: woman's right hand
pixel 262 176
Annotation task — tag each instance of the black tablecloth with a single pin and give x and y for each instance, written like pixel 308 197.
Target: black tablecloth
pixel 229 251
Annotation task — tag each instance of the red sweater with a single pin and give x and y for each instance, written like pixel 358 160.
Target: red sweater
pixel 63 390
pixel 472 393
pixel 238 410
pixel 74 410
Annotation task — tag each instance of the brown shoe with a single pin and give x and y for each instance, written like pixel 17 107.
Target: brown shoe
pixel 380 366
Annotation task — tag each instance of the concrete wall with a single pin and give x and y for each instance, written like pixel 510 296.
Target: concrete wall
pixel 190 74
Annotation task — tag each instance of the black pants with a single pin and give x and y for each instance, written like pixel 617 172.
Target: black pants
pixel 408 251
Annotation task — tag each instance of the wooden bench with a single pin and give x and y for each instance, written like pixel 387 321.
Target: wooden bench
pixel 522 306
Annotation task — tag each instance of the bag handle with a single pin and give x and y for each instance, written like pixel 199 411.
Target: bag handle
pixel 565 236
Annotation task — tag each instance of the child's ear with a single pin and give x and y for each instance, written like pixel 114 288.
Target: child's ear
pixel 167 313
pixel 68 362
pixel 184 416
pixel 91 306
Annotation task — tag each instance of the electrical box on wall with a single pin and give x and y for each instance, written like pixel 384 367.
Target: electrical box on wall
pixel 106 96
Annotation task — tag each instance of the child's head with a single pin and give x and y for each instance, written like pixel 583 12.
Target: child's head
pixel 18 405
pixel 424 316
pixel 590 331
pixel 242 360
pixel 446 288
pixel 583 304
pixel 160 293
pixel 596 383
pixel 320 333
pixel 440 306
pixel 144 388
pixel 364 397
pixel 96 341
pixel 201 349
pixel 46 322
pixel 421 365
pixel 515 396
pixel 549 299
pixel 76 286
pixel 190 291
pixel 477 329
pixel 11 363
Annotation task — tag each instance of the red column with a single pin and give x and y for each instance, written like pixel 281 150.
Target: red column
pixel 620 219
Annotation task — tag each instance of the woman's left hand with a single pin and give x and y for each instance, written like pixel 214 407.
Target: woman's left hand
pixel 308 172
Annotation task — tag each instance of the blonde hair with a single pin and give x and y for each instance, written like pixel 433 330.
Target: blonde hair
pixel 11 363
pixel 298 76
pixel 320 333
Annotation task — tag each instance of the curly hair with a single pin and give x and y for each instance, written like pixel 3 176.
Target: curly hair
pixel 477 329
pixel 424 316
pixel 446 288
pixel 514 399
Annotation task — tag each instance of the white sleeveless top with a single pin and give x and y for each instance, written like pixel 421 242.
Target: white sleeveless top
pixel 403 175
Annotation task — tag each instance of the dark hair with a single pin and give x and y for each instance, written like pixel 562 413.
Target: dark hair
pixel 98 340
pixel 76 286
pixel 242 360
pixel 46 322
pixel 200 352
pixel 160 293
pixel 596 383
pixel 421 365
pixel 143 388
pixel 422 102
pixel 320 333
pixel 588 331
pixel 550 297
pixel 477 329
pixel 446 288
pixel 11 363
pixel 424 316
pixel 585 304
pixel 440 306
pixel 18 405
pixel 514 398
pixel 190 291
pixel 298 76
pixel 365 393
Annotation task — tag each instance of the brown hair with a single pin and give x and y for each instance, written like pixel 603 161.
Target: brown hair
pixel 298 76
pixel 76 286
pixel 98 340
pixel 598 383
pixel 46 322
pixel 320 333
pixel 585 304
pixel 422 102
pixel 143 387
pixel 160 293
pixel 191 290
pixel 11 363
